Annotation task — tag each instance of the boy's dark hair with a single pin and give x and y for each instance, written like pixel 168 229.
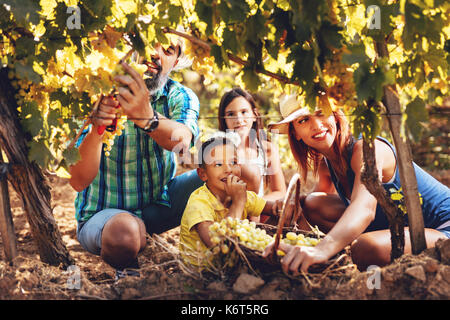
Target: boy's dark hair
pixel 208 145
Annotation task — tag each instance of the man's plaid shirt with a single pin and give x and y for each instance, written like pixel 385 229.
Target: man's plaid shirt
pixel 137 170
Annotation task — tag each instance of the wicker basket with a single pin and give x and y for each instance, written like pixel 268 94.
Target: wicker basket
pixel 291 211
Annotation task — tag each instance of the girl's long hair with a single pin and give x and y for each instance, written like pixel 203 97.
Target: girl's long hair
pixel 308 158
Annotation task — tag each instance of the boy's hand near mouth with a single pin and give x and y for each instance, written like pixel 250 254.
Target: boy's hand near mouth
pixel 237 190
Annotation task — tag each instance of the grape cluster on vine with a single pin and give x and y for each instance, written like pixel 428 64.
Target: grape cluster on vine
pixel 339 78
pixel 202 62
pixel 22 86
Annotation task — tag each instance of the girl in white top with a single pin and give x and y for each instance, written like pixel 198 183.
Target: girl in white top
pixel 259 159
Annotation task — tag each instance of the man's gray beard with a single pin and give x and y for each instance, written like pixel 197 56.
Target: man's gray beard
pixel 156 82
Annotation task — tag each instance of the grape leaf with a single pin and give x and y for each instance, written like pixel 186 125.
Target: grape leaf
pixel 24 46
pixel 31 118
pixel 71 156
pixel 310 13
pixel 304 64
pixel 205 13
pixel 357 54
pixel 39 152
pixel 370 81
pixel 416 113
pixel 437 58
pixel 255 27
pixel 251 79
pixel 233 11
pixel 53 118
pixel 61 96
pixel 284 29
pixel 217 53
pixel 367 121
pixel 25 71
pixel 272 48
pixel 24 11
pixel 331 35
pixel 230 42
pixel 137 40
pixel 175 13
pixel 52 39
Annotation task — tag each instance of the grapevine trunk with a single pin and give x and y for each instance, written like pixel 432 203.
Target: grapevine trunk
pixel 372 182
pixel 28 181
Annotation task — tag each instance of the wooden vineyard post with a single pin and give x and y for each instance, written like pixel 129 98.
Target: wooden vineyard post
pixel 406 169
pixel 6 221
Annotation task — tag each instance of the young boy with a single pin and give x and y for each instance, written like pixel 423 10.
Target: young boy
pixel 223 195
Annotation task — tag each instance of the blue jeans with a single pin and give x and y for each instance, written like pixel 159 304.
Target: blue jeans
pixel 157 218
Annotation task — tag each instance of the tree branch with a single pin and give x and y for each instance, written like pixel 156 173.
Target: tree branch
pixel 205 45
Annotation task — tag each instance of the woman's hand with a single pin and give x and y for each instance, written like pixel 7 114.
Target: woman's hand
pixel 277 210
pixel 298 257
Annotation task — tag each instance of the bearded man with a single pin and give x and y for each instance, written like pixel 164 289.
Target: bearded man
pixel 133 191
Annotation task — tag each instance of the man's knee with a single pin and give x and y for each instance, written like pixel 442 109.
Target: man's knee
pixel 122 235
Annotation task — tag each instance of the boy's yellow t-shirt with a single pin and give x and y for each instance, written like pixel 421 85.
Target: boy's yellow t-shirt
pixel 204 206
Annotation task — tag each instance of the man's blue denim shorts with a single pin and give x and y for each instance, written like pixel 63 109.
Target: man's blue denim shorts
pixel 90 234
pixel 157 218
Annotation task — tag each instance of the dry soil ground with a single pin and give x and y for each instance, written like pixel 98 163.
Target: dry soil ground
pixel 426 276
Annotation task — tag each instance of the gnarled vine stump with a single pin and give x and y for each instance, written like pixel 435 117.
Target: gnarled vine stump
pixel 28 181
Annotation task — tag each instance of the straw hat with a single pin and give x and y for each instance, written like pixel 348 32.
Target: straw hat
pixel 291 107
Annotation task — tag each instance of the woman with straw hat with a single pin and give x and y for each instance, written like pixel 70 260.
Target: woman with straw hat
pixel 341 205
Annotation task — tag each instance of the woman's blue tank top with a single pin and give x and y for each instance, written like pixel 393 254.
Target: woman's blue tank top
pixel 435 196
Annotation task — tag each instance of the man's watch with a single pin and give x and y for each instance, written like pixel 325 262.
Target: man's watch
pixel 152 123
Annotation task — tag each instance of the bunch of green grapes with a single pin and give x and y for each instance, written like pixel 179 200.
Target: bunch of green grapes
pixel 244 231
pixel 22 86
pixel 108 137
pixel 202 62
pixel 252 237
pixel 299 240
pixel 339 78
pixel 119 70
pixel 26 90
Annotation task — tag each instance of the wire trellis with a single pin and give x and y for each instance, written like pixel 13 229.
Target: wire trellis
pixel 445 112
